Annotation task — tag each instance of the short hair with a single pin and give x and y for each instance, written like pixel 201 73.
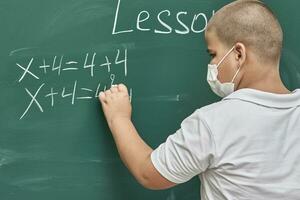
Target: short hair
pixel 252 23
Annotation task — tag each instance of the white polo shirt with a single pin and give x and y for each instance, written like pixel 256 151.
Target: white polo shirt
pixel 246 146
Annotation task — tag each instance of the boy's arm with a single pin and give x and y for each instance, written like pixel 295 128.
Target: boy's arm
pixel 134 152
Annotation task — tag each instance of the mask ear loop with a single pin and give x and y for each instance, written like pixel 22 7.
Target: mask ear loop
pixel 236 74
pixel 225 56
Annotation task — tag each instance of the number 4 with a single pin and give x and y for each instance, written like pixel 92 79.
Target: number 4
pixel 117 61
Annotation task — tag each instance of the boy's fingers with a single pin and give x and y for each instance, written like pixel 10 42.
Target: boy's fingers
pixel 122 88
pixel 107 93
pixel 102 96
pixel 114 89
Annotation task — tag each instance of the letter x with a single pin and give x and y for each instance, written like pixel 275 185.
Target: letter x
pixel 33 100
pixel 27 71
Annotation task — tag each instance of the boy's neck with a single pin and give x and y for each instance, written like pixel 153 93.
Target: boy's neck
pixel 268 82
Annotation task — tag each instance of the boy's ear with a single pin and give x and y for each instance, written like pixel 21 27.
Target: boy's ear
pixel 240 51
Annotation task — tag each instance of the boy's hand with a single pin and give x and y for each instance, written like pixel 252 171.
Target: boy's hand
pixel 115 103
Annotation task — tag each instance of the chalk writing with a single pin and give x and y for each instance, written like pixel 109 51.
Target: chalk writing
pixel 197 25
pixel 48 94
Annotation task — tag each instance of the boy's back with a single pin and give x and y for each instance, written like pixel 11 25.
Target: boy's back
pixel 249 142
pixel 257 137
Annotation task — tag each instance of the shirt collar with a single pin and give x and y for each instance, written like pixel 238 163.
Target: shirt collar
pixel 266 98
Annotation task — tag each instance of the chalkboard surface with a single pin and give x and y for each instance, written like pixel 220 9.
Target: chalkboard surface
pixel 56 56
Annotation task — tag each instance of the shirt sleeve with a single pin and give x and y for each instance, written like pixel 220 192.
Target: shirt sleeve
pixel 186 153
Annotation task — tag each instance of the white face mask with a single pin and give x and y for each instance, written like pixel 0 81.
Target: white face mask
pixel 220 89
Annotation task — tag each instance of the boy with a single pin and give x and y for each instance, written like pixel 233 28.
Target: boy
pixel 246 146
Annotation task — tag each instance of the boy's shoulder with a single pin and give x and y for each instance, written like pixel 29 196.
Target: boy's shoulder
pixel 248 100
pixel 222 106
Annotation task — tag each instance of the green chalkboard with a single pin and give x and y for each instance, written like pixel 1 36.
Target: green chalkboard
pixel 56 56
